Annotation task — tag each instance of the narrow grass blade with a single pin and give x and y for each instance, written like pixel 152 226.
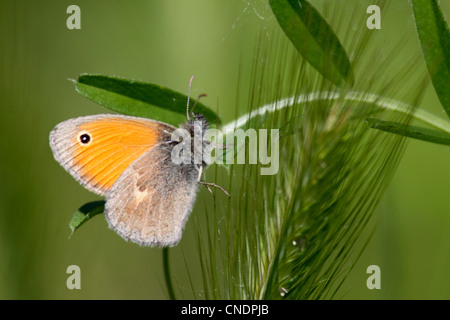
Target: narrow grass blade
pixel 139 99
pixel 434 38
pixel 167 277
pixel 85 213
pixel 410 131
pixel 314 39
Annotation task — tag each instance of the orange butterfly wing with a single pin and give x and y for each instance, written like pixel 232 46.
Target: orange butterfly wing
pixel 97 149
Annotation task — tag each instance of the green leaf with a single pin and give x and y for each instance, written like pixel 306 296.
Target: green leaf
pixel 314 39
pixel 139 99
pixel 410 131
pixel 434 38
pixel 85 213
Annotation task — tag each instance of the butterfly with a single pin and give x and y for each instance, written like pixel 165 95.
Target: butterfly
pixel 130 161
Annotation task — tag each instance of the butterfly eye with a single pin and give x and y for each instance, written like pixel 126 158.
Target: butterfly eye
pixel 85 138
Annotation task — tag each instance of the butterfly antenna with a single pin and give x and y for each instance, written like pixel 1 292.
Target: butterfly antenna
pixel 189 96
pixel 196 101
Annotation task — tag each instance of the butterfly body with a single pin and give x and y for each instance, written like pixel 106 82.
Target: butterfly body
pixel 129 160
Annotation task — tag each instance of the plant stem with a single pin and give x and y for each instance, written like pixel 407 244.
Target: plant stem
pixel 167 276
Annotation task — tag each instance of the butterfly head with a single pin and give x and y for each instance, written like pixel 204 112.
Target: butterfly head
pixel 197 125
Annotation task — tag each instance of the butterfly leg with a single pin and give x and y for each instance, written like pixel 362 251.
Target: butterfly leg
pixel 208 184
pixel 200 170
pixel 210 191
pixel 224 146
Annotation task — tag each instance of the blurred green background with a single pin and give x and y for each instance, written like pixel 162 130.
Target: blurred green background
pixel 165 42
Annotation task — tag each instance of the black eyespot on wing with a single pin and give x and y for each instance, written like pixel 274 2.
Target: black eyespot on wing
pixel 85 138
